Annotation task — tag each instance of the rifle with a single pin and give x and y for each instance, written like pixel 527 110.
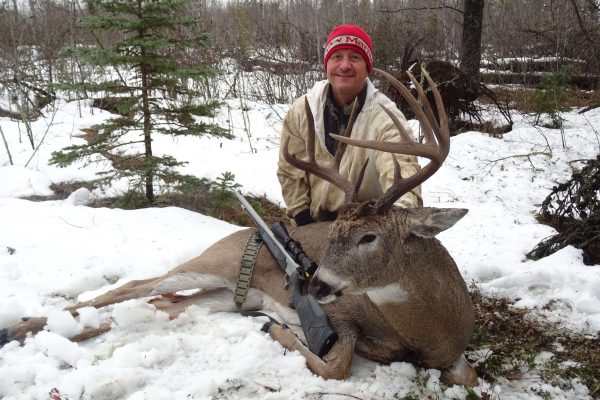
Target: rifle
pixel 319 334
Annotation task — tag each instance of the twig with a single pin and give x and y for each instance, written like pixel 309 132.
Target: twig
pixel 593 129
pixel 101 45
pixel 339 394
pixel 70 224
pixel 43 138
pixel 528 156
pixel 6 146
pixel 421 9
pixel 537 128
pixel 590 240
pixel 535 153
pixel 245 115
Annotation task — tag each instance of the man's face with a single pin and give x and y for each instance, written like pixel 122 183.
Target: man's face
pixel 346 72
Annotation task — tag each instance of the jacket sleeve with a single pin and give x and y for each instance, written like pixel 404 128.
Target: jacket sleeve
pixel 408 163
pixel 294 183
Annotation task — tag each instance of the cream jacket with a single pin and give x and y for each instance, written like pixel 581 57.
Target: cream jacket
pixel 305 191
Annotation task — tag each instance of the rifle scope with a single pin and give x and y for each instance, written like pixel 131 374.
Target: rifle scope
pixel 294 248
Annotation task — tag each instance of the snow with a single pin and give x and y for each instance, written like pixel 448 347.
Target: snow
pixel 55 252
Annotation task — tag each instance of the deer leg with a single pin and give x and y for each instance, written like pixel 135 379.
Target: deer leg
pixel 88 333
pixel 216 300
pixel 334 365
pixel 168 283
pixel 19 330
pixel 130 290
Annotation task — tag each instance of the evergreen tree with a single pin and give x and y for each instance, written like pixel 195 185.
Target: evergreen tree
pixel 152 89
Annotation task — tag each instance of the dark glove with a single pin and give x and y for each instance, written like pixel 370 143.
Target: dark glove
pixel 303 218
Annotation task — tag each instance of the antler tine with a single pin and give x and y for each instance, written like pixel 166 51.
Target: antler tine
pixel 339 153
pixel 310 144
pixel 443 134
pixel 332 174
pixel 443 124
pixel 341 148
pixel 435 148
pixel 412 102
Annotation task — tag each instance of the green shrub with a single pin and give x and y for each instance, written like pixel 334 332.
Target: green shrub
pixel 550 97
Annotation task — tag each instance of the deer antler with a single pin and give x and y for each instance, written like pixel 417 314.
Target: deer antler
pixel 435 146
pixel 332 174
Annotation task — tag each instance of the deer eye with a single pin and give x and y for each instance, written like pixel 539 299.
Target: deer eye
pixel 368 238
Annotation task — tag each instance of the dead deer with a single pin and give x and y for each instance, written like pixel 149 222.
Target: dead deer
pixel 389 288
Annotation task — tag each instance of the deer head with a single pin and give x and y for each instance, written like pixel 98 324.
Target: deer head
pixel 368 241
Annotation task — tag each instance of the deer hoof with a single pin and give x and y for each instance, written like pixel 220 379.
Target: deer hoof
pixel 283 335
pixel 460 373
pixel 266 327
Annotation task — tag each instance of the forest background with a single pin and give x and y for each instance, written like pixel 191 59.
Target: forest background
pixel 288 37
pixel 270 51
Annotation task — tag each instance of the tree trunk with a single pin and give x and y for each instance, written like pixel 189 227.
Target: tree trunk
pixel 149 164
pixel 470 57
pixel 149 173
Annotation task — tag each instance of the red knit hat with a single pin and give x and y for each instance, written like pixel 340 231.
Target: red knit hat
pixel 349 37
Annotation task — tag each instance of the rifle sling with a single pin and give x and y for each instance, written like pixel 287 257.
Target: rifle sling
pixel 242 284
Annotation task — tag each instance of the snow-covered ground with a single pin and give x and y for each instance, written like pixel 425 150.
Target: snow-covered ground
pixel 54 252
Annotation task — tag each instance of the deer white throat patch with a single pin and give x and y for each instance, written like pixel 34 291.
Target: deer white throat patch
pixel 392 293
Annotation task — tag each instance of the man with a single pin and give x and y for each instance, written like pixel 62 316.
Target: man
pixel 347 63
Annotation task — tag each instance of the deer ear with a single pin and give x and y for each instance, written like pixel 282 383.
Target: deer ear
pixel 428 222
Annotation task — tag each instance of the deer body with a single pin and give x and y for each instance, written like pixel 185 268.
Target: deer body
pixel 389 288
pixel 404 300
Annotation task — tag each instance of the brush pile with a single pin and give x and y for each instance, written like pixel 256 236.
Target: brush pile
pixel 573 209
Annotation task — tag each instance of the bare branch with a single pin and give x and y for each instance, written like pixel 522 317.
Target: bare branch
pixel 420 9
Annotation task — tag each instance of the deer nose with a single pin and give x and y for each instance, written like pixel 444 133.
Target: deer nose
pixel 318 288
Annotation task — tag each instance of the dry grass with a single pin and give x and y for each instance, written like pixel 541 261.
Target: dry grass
pixel 62 190
pixel 227 208
pixel 202 200
pixel 519 98
pixel 514 339
pixel 199 200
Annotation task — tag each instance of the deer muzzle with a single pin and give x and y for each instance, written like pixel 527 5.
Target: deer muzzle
pixel 322 291
pixel 318 288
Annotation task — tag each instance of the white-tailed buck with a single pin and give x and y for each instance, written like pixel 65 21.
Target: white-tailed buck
pixel 388 286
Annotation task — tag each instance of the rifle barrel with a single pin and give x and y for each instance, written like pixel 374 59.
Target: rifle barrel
pixel 267 235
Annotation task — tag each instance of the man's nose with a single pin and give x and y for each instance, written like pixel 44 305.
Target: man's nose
pixel 345 63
